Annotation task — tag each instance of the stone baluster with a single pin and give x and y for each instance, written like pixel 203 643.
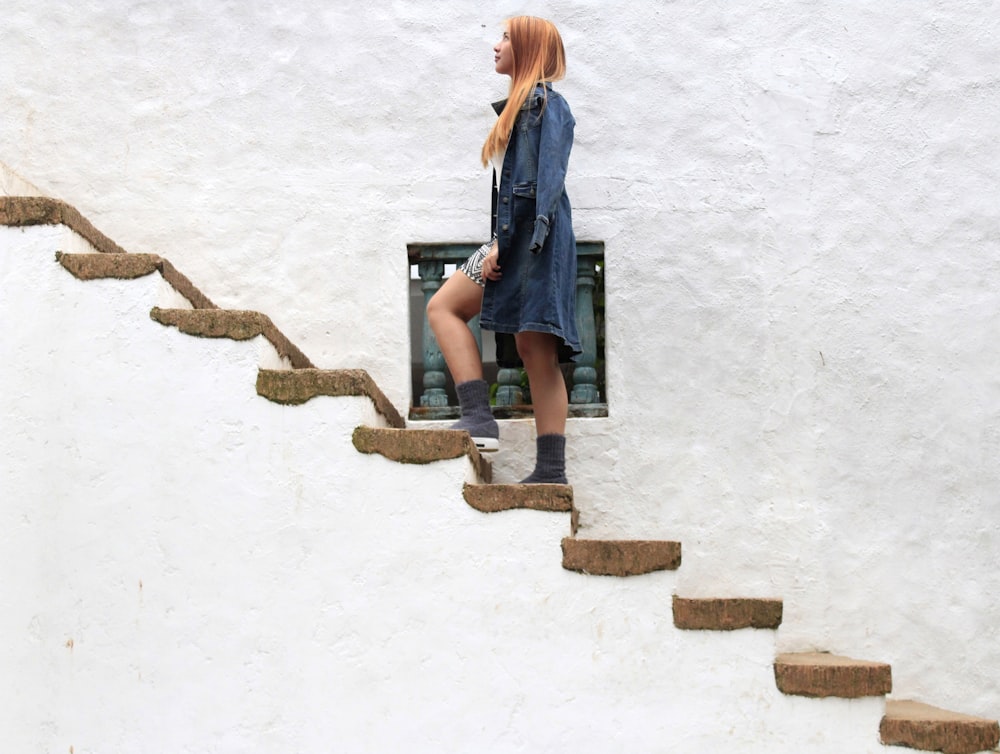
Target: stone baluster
pixel 434 395
pixel 477 334
pixel 585 373
pixel 509 392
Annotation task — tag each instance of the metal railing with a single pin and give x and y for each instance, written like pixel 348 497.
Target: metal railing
pixel 430 260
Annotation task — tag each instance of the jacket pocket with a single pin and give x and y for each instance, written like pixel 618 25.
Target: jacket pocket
pixel 526 190
pixel 524 202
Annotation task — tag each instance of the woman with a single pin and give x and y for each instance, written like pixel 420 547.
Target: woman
pixel 522 282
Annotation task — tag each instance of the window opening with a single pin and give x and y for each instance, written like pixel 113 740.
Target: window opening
pixel 432 387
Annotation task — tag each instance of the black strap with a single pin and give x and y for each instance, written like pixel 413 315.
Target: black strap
pixel 496 200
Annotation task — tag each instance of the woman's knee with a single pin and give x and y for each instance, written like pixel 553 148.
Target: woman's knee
pixel 537 349
pixel 442 307
pixel 437 307
pixel 458 299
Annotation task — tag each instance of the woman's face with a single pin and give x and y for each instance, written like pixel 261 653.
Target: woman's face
pixel 503 56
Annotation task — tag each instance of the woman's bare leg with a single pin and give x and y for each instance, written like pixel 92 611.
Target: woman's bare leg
pixel 449 311
pixel 457 301
pixel 540 354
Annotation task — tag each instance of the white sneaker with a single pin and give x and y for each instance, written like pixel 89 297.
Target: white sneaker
pixel 486 444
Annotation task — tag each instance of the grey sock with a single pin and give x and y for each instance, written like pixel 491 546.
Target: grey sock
pixel 550 461
pixel 477 419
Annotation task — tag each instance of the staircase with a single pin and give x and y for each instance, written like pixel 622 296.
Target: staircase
pixel 528 658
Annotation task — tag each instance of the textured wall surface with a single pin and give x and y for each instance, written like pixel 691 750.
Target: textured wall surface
pixel 798 202
pixel 189 567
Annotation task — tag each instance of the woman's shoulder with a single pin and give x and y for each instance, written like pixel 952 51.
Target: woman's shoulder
pixel 545 89
pixel 544 93
pixel 557 103
pixel 555 97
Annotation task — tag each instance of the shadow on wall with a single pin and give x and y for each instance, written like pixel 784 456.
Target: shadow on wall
pixel 11 184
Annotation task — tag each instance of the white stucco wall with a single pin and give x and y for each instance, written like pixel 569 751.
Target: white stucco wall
pixel 798 206
pixel 189 568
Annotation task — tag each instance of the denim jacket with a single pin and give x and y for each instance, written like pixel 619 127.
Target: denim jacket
pixel 534 230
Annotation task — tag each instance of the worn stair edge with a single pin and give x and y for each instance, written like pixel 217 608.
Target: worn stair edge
pixel 726 614
pixel 921 726
pixel 234 324
pixel 186 288
pixel 620 557
pixel 121 266
pixel 22 211
pixel 421 446
pixel 818 674
pixel 296 386
pixel 127 266
pixel 492 498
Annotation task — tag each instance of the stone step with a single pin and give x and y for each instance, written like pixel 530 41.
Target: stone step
pixel 422 446
pixel 629 557
pixel 233 324
pixel 819 674
pixel 296 386
pixel 98 265
pixel 24 211
pixel 726 614
pixel 921 726
pixel 125 266
pixel 490 498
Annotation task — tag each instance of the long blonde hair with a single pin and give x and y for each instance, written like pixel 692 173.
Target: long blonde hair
pixel 538 55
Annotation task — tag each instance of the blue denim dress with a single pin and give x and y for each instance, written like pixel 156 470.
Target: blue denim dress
pixel 534 231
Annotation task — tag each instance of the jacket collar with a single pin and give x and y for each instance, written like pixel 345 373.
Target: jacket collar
pixel 499 105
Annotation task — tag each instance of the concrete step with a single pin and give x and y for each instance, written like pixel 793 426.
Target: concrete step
pixel 125 266
pixel 818 674
pixel 620 557
pixel 232 324
pixel 921 726
pixel 296 386
pixel 421 446
pixel 490 498
pixel 726 614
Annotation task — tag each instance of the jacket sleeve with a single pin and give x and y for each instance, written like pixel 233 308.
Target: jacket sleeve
pixel 555 143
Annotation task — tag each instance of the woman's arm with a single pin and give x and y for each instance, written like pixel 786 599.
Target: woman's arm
pixel 555 143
